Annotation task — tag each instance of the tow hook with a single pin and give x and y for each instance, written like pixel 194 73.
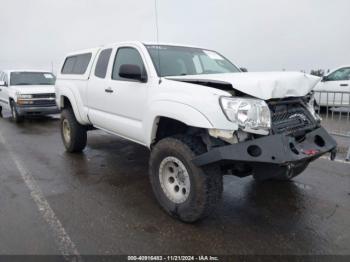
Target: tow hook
pixel 333 154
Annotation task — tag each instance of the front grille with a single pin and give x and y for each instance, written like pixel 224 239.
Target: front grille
pixel 49 95
pixel 42 100
pixel 291 117
pixel 44 103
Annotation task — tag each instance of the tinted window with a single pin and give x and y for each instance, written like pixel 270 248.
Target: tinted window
pixel 126 55
pixel 340 75
pixel 102 63
pixel 76 65
pixel 32 78
pixel 68 65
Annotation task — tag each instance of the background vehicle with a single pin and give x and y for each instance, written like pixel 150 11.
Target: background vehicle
pixel 334 88
pixel 200 116
pixel 27 93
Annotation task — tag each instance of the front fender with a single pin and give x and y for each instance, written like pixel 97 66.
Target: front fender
pixel 81 118
pixel 174 110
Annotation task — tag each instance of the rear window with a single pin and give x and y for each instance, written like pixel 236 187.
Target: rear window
pixel 76 65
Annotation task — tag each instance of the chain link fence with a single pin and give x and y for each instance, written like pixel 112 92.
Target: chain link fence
pixel 334 108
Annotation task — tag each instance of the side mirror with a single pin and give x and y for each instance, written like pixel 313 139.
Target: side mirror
pixel 3 83
pixel 131 72
pixel 324 79
pixel 243 69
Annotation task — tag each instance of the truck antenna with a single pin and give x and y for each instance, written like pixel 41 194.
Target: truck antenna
pixel 157 36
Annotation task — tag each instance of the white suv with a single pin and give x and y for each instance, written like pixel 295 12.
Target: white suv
pixel 27 92
pixel 199 115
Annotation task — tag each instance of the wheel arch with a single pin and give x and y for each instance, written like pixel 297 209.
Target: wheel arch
pixel 68 101
pixel 10 101
pixel 175 114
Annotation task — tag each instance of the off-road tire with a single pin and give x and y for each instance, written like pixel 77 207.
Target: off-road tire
pixel 15 116
pixel 78 132
pixel 206 185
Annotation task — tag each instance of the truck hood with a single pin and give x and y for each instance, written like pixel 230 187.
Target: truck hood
pixel 264 85
pixel 34 89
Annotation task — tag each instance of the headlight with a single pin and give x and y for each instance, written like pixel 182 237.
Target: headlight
pixel 311 107
pixel 19 96
pixel 23 99
pixel 252 115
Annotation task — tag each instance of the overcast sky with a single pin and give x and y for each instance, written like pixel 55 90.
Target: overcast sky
pixel 261 35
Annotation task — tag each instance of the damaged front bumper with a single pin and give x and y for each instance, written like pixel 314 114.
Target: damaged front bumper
pixel 275 150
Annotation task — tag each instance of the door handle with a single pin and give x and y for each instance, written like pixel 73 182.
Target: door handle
pixel 344 85
pixel 109 90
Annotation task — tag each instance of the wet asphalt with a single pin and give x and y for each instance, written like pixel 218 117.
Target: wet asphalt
pixel 104 202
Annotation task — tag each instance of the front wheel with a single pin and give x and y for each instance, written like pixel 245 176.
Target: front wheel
pixel 14 112
pixel 73 133
pixel 183 190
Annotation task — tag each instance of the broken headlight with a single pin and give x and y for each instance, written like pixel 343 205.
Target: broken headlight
pixel 252 115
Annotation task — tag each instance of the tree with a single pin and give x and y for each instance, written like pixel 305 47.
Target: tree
pixel 317 72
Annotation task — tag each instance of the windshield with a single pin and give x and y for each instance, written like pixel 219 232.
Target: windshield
pixel 180 61
pixel 31 78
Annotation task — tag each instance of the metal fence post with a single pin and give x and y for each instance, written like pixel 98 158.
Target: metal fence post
pixel 336 114
pixel 348 155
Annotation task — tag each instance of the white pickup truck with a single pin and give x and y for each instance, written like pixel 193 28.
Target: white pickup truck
pixel 27 93
pixel 334 88
pixel 199 115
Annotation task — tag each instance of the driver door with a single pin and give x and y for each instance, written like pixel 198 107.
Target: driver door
pixel 130 96
pixel 117 104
